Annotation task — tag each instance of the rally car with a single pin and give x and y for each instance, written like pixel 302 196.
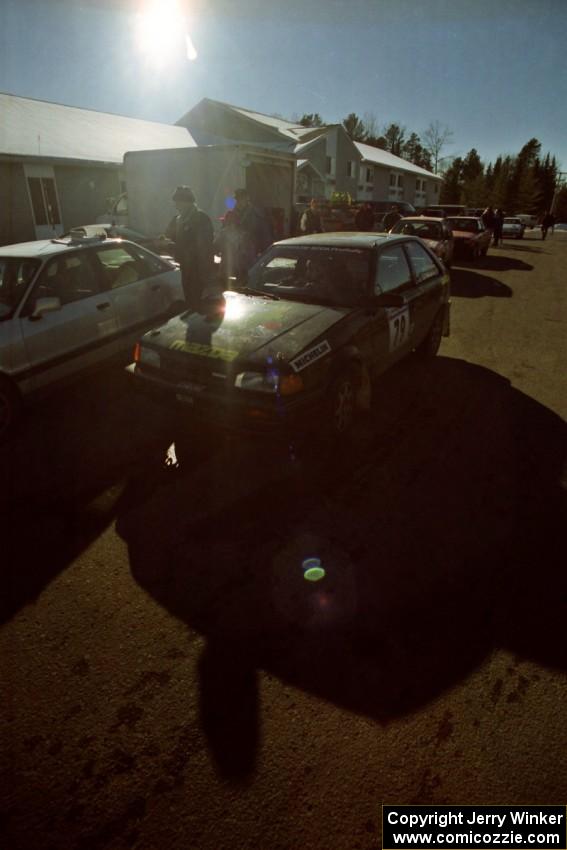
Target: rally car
pixel 299 344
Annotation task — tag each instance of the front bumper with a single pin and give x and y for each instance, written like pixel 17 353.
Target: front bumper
pixel 232 409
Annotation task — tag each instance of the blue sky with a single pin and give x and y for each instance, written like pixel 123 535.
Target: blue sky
pixel 494 72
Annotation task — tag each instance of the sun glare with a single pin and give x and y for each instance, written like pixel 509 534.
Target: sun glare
pixel 162 33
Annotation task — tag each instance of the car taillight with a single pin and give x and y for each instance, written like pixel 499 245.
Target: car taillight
pixel 137 352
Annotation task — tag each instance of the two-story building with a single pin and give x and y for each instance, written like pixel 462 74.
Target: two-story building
pixel 385 177
pixel 327 159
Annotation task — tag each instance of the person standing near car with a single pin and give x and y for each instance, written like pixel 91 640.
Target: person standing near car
pixel 391 218
pixel 497 228
pixel 252 230
pixel 192 232
pixel 547 221
pixel 364 219
pixel 311 219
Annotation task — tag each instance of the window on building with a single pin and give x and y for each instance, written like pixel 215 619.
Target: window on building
pixel 330 165
pixel 370 175
pixel 350 168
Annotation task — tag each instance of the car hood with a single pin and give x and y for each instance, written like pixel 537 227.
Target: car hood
pixel 250 327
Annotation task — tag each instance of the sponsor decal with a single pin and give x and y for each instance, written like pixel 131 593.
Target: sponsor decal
pixel 203 350
pixel 309 357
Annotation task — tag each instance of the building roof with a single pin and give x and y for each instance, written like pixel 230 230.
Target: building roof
pixel 380 157
pixel 50 130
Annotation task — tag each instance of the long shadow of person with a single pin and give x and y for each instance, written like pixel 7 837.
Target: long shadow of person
pixel 376 577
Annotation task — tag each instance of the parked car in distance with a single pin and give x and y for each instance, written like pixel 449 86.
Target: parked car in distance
pixel 434 231
pixel 471 238
pixel 512 228
pixel 66 305
pixel 297 347
pixel 158 244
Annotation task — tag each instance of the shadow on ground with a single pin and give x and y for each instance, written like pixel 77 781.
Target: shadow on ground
pixel 440 531
pixel 466 283
pixel 62 476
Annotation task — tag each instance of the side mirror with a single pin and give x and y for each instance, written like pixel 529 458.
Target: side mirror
pixel 45 305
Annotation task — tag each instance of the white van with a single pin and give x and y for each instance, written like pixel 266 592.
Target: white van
pixel 528 220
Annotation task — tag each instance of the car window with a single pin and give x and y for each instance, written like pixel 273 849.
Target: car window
pixel 469 225
pixel 15 276
pixel 422 263
pixel 121 265
pixel 325 275
pixel 69 277
pixel 393 271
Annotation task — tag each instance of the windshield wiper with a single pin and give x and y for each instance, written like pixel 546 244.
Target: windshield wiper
pixel 247 290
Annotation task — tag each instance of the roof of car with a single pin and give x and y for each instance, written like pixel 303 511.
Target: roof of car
pixel 46 247
pixel 343 239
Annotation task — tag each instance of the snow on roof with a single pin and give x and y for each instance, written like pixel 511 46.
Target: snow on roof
pixel 304 145
pixel 381 157
pixel 38 128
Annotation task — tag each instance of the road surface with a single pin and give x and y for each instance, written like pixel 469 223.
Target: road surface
pixel 170 680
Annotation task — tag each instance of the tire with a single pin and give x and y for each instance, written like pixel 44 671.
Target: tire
pixel 432 342
pixel 10 407
pixel 341 405
pixel 475 254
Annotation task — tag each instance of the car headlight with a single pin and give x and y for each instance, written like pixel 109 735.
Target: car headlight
pixel 269 382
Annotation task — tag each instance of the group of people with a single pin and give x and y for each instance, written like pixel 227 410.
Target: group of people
pixel 364 220
pixel 493 220
pixel 245 234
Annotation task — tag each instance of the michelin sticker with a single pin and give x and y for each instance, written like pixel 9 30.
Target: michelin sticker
pixel 309 357
pixel 399 324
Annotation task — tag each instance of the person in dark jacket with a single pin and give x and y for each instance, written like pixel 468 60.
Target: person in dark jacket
pixel 497 227
pixel 488 218
pixel 192 232
pixel 391 218
pixel 311 219
pixel 364 219
pixel 547 221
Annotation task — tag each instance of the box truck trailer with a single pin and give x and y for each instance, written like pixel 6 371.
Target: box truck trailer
pixel 213 173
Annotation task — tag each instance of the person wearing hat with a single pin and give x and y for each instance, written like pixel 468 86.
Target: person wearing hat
pixel 192 232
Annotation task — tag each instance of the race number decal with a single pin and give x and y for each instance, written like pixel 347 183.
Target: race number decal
pixel 399 324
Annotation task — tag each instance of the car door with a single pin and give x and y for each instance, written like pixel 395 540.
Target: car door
pixel 395 326
pixel 135 283
pixel 75 334
pixel 428 291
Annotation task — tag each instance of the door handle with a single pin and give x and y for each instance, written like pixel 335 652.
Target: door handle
pixel 103 305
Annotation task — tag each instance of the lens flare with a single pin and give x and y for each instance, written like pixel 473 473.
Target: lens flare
pixel 162 33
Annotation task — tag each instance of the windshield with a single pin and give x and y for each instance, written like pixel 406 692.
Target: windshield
pixel 319 275
pixel 468 224
pixel 16 274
